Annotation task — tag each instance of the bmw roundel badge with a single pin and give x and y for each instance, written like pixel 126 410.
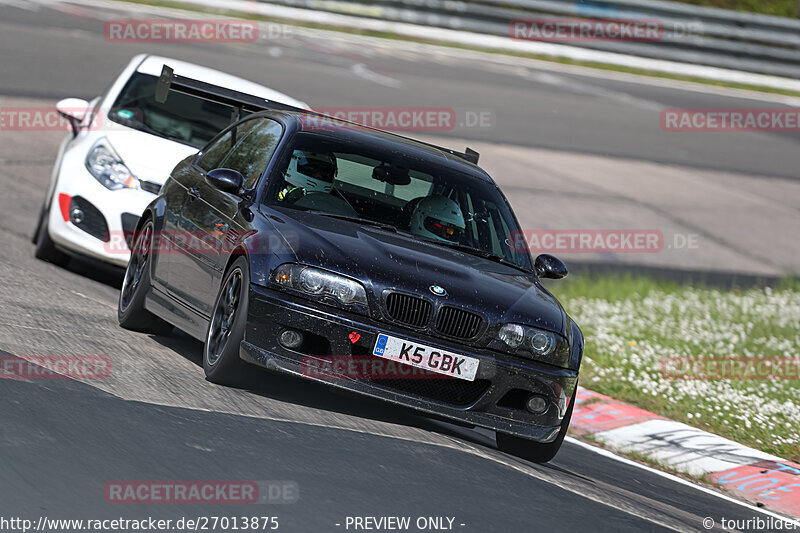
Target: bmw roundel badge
pixel 437 290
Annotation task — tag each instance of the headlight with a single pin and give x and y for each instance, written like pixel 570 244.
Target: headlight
pixel 512 335
pixel 321 284
pixel 535 343
pixel 107 167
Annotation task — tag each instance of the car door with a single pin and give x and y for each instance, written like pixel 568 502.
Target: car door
pixel 210 218
pixel 174 193
pixel 186 180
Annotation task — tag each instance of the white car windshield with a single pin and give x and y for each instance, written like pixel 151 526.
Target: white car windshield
pixel 183 118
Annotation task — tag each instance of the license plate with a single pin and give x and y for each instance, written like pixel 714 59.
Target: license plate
pixel 426 357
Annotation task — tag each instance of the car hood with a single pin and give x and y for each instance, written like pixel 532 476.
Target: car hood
pixel 149 157
pixel 386 260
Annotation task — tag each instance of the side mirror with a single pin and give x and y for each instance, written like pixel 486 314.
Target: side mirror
pixel 226 180
pixel 550 267
pixel 74 110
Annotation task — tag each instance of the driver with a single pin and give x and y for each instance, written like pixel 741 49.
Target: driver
pixel 438 217
pixel 308 172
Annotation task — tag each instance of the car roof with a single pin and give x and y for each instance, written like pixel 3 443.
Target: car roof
pixel 357 133
pixel 152 65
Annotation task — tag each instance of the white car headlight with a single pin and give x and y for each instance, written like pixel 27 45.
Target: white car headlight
pixel 321 284
pixel 107 167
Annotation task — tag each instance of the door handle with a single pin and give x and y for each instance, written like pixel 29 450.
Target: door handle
pixel 194 193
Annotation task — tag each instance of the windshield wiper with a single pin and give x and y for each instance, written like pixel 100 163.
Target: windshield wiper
pixel 357 220
pixel 481 253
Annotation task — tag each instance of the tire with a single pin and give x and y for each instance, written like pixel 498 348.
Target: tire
pixel 35 236
pixel 131 313
pixel 221 362
pixel 536 452
pixel 45 248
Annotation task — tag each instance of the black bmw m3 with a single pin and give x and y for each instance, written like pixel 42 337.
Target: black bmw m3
pixel 298 247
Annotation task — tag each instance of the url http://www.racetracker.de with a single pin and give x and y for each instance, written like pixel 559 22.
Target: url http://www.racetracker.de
pixel 200 523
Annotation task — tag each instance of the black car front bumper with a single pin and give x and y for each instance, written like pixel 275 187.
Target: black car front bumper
pixel 494 400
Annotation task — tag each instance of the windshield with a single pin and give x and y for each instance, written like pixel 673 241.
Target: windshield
pixel 383 184
pixel 183 118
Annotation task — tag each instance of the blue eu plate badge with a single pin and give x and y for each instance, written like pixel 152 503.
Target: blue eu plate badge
pixel 380 346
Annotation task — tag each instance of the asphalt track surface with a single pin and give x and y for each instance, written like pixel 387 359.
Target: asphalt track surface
pixel 156 418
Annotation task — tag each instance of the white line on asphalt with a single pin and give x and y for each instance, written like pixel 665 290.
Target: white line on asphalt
pixel 363 71
pixel 676 479
pixel 104 304
pixel 590 90
pixel 20 4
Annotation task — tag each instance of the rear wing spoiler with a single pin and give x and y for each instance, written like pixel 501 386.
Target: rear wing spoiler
pixel 239 101
pixel 169 81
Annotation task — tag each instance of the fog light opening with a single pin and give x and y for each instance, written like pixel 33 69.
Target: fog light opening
pixel 76 215
pixel 536 404
pixel 291 339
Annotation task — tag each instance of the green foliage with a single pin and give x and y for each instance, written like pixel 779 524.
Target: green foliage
pixel 781 8
pixel 637 327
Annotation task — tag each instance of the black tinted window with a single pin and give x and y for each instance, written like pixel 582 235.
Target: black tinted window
pixel 214 154
pixel 252 153
pixel 183 118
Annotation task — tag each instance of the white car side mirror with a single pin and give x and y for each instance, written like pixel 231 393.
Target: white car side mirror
pixel 74 110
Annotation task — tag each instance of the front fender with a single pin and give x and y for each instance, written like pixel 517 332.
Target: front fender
pixel 155 210
pixel 267 249
pixel 576 346
pixel 265 252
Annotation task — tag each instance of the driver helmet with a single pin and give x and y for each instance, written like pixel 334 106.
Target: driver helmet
pixel 312 171
pixel 438 217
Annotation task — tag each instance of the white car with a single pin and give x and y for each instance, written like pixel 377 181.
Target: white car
pixel 123 148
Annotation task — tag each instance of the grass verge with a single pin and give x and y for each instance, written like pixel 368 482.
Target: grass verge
pixel 632 325
pixel 781 8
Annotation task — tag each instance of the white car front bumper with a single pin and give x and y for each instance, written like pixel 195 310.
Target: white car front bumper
pixel 74 181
